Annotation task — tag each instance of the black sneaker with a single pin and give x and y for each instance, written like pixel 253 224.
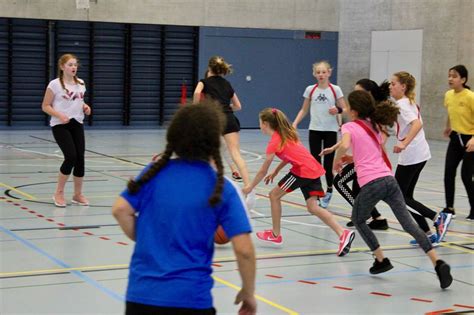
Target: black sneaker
pixel 379 267
pixel 350 224
pixel 378 224
pixel 449 210
pixel 444 274
pixel 470 217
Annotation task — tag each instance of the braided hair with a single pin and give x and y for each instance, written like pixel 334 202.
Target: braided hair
pixel 194 134
pixel 61 62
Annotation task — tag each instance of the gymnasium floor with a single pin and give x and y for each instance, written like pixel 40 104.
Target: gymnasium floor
pixel 74 260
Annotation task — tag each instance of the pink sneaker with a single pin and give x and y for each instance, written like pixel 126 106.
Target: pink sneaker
pixel 267 236
pixel 345 242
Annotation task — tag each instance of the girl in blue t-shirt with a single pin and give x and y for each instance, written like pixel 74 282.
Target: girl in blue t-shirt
pixel 172 210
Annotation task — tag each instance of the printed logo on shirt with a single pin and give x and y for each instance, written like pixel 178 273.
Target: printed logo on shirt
pixel 72 96
pixel 321 98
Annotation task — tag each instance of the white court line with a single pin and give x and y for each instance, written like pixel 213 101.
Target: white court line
pixel 289 221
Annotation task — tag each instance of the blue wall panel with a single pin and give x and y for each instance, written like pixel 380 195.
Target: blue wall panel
pixel 279 63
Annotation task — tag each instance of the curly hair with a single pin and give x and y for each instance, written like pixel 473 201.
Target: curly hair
pixel 194 134
pixel 381 114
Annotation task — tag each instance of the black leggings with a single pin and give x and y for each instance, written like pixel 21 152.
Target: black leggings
pixel 454 155
pixel 341 183
pixel 132 308
pixel 407 177
pixel 319 140
pixel 70 139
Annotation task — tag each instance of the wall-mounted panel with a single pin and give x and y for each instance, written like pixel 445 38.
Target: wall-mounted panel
pixel 271 67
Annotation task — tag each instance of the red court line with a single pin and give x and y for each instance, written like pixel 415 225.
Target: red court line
pixel 342 288
pixel 381 294
pixel 50 220
pixel 465 306
pixel 122 243
pixel 273 276
pixel 216 265
pixel 421 300
pixel 40 216
pixel 307 282
pixel 440 311
pixel 105 238
pixel 87 233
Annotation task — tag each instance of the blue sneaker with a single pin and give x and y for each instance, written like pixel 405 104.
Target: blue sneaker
pixel 324 202
pixel 441 224
pixel 433 239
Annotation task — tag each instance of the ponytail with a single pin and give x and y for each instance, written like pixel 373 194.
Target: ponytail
pixel 135 185
pixel 409 81
pixel 279 122
pixel 384 113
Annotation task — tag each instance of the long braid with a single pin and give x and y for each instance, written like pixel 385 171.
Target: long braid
pixel 217 195
pixel 135 185
pixel 61 80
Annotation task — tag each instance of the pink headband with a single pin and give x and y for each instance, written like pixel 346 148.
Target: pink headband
pixel 274 110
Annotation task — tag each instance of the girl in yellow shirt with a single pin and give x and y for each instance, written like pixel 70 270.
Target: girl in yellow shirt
pixel 459 101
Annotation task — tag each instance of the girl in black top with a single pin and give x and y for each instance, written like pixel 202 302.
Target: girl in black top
pixel 221 91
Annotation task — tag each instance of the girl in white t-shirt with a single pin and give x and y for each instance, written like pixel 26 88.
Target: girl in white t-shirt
pixel 413 151
pixel 324 101
pixel 64 102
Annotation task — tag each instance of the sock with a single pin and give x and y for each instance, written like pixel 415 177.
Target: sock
pixel 329 190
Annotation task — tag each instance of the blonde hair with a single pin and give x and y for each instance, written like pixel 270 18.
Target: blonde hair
pixel 322 62
pixel 278 121
pixel 218 66
pixel 61 62
pixel 410 83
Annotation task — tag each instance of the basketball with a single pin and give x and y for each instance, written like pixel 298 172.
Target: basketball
pixel 220 237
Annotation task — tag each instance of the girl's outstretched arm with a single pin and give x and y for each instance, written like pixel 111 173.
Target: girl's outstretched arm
pixel 260 174
pixel 345 144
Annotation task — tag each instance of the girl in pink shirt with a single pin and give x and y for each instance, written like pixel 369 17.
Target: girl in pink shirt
pixel 376 179
pixel 304 174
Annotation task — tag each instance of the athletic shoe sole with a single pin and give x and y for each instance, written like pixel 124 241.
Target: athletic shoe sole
pixel 347 247
pixel 75 202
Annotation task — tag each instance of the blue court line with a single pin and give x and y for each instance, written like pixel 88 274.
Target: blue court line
pixel 59 262
pixel 351 275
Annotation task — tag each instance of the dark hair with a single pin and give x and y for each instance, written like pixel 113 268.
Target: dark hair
pixel 462 70
pixel 383 113
pixel 194 134
pixel 218 66
pixel 380 93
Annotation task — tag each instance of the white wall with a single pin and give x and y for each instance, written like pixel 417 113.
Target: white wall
pixel 393 51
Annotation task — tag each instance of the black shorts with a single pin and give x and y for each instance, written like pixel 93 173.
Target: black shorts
pixel 310 187
pixel 232 124
pixel 132 308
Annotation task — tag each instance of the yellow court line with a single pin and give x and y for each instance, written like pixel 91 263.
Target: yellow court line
pixel 258 297
pixel 18 191
pixel 224 259
pixel 60 270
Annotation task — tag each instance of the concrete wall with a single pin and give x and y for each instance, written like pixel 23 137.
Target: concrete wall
pixel 448 29
pixel 274 14
pixel 448 39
